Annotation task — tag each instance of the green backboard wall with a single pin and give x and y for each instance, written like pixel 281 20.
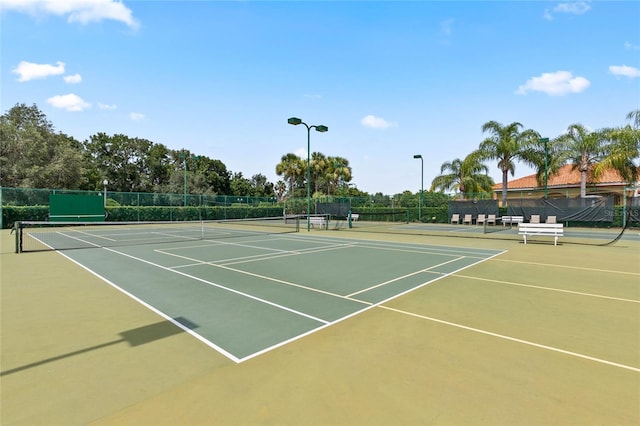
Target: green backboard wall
pixel 76 208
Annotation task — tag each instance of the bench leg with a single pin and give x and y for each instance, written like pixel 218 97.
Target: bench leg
pixel 525 238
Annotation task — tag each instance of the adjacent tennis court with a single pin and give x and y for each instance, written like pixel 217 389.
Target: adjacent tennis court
pixel 249 323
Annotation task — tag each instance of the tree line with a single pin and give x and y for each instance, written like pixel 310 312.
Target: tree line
pixel 591 152
pixel 33 154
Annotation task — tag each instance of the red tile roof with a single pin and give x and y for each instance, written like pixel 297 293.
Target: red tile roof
pixel 566 177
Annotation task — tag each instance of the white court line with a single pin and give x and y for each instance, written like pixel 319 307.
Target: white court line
pixel 513 339
pixel 78 239
pixel 404 276
pixel 275 256
pixel 424 251
pixel 581 268
pixel 277 280
pixel 549 289
pixel 89 234
pixel 157 311
pixel 418 248
pixel 211 283
pixel 246 259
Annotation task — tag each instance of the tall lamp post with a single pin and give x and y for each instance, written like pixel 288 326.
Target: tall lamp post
pixel 104 184
pixel 421 185
pixel 546 166
pixel 319 128
pixel 185 157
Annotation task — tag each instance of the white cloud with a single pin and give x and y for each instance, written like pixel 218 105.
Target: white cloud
pixel 376 122
pixel 630 46
pixel 624 70
pixel 82 11
pixel 73 79
pixel 70 102
pixel 554 84
pixel 574 8
pixel 107 107
pixel 29 71
pixel 136 116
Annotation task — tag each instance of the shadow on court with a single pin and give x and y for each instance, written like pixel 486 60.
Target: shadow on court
pixel 134 337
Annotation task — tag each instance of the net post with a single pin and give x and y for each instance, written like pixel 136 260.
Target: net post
pixel 349 220
pixel 18 230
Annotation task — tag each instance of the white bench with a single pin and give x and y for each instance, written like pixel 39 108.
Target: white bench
pixel 354 217
pixel 321 221
pixel 554 230
pixel 511 220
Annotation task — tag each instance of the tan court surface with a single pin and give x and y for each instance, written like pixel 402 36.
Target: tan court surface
pixel 538 335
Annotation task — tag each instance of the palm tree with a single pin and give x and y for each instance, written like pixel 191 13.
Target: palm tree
pixel 465 176
pixel 338 170
pixel 507 144
pixel 622 149
pixel 292 167
pixel 584 149
pixel 547 160
pixel 280 188
pixel 318 164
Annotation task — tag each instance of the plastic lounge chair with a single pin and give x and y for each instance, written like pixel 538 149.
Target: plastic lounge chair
pixel 467 219
pixel 491 219
pixel 455 218
pixel 551 219
pixel 481 219
pixel 535 218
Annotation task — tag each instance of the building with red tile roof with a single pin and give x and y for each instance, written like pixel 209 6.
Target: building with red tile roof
pixel 566 184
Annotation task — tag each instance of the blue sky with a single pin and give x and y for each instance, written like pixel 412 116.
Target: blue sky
pixel 390 79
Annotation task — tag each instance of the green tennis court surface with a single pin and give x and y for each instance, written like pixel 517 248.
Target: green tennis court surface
pixel 250 294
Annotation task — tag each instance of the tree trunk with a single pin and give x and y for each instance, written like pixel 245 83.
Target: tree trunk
pixel 504 187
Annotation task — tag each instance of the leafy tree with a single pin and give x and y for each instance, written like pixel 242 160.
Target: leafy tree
pixel 261 186
pixel 465 176
pixel 216 177
pixel 122 160
pixel 241 185
pixel 406 199
pixel 158 166
pixel 508 144
pixel 32 155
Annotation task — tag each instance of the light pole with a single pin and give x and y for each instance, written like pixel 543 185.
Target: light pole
pixel 104 184
pixel 421 185
pixel 546 165
pixel 185 157
pixel 319 128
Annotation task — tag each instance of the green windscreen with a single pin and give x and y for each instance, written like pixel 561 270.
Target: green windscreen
pixel 76 208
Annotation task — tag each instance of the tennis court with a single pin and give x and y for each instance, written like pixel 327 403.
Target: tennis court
pixel 326 327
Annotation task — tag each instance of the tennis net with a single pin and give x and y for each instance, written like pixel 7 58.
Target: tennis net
pixel 41 235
